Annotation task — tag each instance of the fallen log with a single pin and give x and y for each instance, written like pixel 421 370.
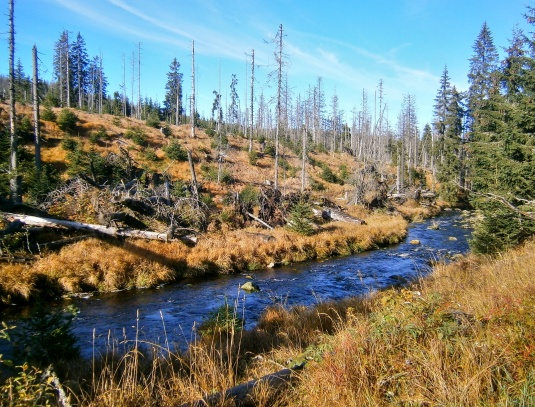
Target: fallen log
pixel 259 220
pixel 261 236
pixel 334 214
pixel 241 394
pixel 106 230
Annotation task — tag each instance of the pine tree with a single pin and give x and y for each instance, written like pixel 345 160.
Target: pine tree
pixel 233 110
pixel 514 65
pixel 483 76
pixel 173 95
pixel 80 75
pixel 62 68
pixel 501 156
pixel 97 84
pixel 450 168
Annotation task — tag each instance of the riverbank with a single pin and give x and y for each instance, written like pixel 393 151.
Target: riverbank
pixel 109 265
pixel 462 335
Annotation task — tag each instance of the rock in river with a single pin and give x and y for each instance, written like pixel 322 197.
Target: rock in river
pixel 250 286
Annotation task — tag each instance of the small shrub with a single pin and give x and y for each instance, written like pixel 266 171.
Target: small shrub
pixel 300 219
pixel 96 136
pixel 316 185
pixel 211 173
pixel 69 144
pixel 67 121
pixel 175 151
pixel 180 189
pixel 40 183
pixel 116 121
pixel 207 199
pixel 327 174
pixel 249 196
pixel 46 336
pixel 150 154
pixel 48 115
pixel 166 131
pixel 253 157
pixel 223 319
pixel 138 136
pixel 269 149
pixel 343 172
pixel 219 143
pixel 153 120
pixel 210 132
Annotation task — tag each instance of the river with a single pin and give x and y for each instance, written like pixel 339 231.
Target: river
pixel 171 312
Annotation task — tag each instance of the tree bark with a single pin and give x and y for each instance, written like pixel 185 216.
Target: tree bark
pixel 14 182
pixel 240 395
pixel 106 230
pixel 194 186
pixel 192 89
pixel 35 95
pixel 259 220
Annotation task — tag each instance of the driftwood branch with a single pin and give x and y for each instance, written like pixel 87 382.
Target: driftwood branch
pixel 259 220
pixel 106 230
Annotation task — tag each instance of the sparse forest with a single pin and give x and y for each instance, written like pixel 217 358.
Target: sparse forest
pixel 101 190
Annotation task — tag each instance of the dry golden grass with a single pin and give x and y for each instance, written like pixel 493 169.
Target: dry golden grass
pixel 100 265
pixel 464 336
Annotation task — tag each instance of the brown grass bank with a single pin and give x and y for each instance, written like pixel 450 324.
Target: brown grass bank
pixel 462 336
pixel 105 265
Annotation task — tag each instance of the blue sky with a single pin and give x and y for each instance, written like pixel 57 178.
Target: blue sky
pixel 351 45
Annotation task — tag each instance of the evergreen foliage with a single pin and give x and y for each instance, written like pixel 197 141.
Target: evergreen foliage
pixel 175 151
pixel 300 219
pixel 501 148
pixel 67 120
pixel 46 336
pixel 173 95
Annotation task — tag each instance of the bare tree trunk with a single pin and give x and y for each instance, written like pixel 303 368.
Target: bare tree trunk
pixel 124 86
pixel 14 183
pixel 107 230
pixel 177 102
pixel 304 161
pixel 67 80
pixel 252 101
pixel 279 91
pixel 139 80
pixel 192 89
pixel 194 187
pixel 132 110
pixel 35 95
pixel 101 90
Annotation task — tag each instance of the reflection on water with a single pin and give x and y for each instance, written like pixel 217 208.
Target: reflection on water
pixel 171 312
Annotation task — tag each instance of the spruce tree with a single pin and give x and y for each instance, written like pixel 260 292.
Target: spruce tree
pixel 173 92
pixel 483 76
pixel 80 62
pixel 502 159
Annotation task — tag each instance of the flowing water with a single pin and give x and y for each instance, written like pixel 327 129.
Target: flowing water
pixel 171 312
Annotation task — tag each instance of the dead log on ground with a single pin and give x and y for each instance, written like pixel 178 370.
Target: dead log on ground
pixel 106 230
pixel 334 214
pixel 262 236
pixel 241 394
pixel 259 220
